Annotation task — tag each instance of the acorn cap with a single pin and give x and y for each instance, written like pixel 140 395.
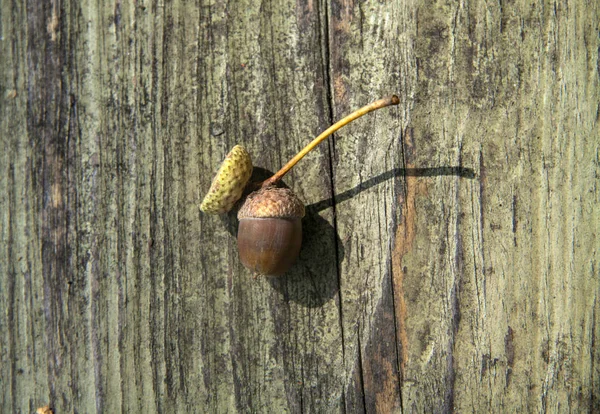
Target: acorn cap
pixel 272 202
pixel 228 185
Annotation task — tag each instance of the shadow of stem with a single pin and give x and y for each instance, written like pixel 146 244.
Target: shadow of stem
pixel 394 173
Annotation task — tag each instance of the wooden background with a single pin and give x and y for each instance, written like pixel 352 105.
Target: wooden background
pixel 451 255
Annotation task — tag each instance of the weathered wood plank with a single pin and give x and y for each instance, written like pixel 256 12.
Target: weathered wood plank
pixel 500 267
pixel 450 259
pixel 369 46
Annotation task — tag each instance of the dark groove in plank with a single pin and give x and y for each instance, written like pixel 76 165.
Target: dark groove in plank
pixel 11 286
pixel 394 226
pixel 360 373
pixel 594 397
pixel 327 75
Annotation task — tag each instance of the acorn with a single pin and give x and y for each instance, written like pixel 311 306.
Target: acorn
pixel 270 230
pixel 270 218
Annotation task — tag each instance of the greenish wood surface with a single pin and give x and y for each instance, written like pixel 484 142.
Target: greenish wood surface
pixel 450 259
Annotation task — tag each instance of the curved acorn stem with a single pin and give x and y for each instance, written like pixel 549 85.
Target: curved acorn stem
pixel 381 103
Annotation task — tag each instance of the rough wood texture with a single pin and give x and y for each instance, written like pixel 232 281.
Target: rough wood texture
pixel 451 244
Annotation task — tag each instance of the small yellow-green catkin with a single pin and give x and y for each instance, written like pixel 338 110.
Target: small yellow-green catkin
pixel 228 185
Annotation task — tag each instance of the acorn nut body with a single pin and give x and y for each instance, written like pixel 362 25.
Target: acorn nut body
pixel 270 230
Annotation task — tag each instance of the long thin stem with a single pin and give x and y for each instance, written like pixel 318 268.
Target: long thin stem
pixel 381 103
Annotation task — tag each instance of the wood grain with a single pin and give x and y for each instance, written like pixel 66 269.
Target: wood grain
pixel 450 258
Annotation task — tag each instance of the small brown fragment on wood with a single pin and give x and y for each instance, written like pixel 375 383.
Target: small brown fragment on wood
pixel 44 410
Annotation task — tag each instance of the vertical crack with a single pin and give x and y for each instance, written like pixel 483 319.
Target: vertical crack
pixel 11 284
pixel 398 345
pixel 326 72
pixel 360 372
pixel 593 395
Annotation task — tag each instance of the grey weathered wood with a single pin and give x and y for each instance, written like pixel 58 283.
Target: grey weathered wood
pixel 451 244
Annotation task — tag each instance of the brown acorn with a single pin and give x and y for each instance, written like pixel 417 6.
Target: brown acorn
pixel 270 229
